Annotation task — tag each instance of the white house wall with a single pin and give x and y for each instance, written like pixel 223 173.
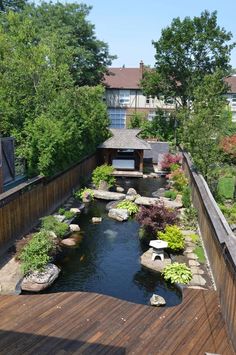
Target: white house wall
pixel 134 99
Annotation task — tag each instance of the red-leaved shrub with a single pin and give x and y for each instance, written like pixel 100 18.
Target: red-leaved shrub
pixel 170 159
pixel 155 218
pixel 228 145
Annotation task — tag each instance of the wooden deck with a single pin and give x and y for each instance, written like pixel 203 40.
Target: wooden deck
pixel 87 323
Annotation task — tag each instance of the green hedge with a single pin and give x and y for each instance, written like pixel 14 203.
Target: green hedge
pixel 226 187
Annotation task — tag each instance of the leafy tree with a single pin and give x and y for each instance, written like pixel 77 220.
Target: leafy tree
pixel 136 120
pixel 185 53
pixel 50 60
pixel 205 124
pixel 162 126
pixel 13 5
pixel 73 125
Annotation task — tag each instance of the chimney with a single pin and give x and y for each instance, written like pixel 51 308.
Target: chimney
pixel 141 67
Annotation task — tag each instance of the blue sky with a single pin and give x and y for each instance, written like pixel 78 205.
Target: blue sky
pixel 129 26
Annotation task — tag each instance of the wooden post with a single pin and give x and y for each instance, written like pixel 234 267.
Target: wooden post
pixel 140 154
pixel 1 172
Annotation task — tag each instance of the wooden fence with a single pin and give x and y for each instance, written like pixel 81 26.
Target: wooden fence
pixel 220 245
pixel 21 207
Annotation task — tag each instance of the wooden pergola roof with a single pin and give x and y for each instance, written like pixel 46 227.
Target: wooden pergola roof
pixel 125 139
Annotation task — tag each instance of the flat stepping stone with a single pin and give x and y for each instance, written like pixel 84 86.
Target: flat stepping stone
pixel 146 201
pixel 192 256
pixel 108 195
pixel 193 263
pixel 191 244
pixel 197 270
pixel 198 280
pixel 188 232
pixel 189 250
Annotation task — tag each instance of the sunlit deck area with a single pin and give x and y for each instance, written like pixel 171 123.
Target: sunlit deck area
pixel 88 323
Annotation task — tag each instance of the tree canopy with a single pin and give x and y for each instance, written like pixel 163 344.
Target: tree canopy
pixel 186 52
pixel 51 63
pixel 206 123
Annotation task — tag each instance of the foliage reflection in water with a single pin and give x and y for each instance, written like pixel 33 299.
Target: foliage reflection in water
pixel 107 258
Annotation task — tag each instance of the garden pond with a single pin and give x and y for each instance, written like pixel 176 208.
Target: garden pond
pixel 107 257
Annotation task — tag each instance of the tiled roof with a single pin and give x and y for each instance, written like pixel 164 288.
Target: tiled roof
pixel 231 80
pixel 123 78
pixel 125 139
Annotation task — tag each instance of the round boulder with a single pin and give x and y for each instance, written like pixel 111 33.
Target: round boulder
pixel 157 300
pixel 40 280
pixel 131 191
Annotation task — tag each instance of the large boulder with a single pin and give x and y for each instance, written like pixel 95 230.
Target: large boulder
pixel 119 214
pixel 68 242
pixel 131 191
pixel 74 227
pixel 171 204
pixel 146 201
pixel 108 195
pixel 111 204
pixel 37 281
pixel 103 185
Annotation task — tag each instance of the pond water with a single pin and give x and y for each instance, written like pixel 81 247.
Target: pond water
pixel 107 259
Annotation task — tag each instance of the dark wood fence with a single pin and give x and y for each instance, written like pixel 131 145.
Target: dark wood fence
pixel 220 245
pixel 22 206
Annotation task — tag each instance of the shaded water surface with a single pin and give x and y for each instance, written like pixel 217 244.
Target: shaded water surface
pixel 107 259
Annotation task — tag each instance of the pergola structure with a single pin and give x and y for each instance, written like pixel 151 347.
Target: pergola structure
pixel 124 150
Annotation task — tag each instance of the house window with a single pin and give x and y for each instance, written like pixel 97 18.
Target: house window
pixel 147 100
pixel 117 117
pixel 124 97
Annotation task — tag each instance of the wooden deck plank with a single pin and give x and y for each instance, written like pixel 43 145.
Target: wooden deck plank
pixel 89 323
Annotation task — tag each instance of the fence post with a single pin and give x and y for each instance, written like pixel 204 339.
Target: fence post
pixel 1 174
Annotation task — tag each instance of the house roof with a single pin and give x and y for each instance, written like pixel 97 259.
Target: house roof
pixel 125 139
pixel 231 81
pixel 123 78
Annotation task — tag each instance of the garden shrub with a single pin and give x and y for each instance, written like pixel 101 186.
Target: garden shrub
pixel 69 214
pixel 179 181
pixel 37 253
pixel 61 211
pixel 229 212
pixel 226 187
pixel 173 236
pixel 84 194
pixel 228 145
pixel 177 272
pixel 186 197
pixel 103 173
pixel 190 218
pixel 174 167
pixel 128 205
pixel 155 218
pixel 50 223
pixel 171 194
pixel 169 160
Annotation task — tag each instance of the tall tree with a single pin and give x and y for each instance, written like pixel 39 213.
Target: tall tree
pixel 13 5
pixel 186 52
pixel 206 123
